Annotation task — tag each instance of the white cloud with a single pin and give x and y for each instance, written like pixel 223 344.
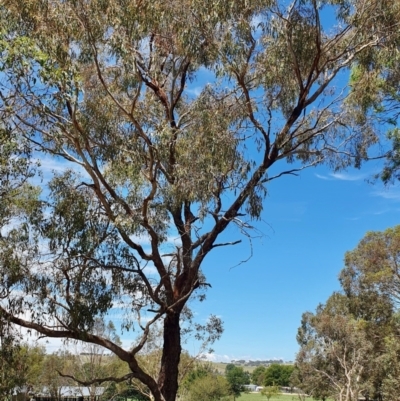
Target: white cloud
pixel 347 177
pixel 391 194
pixel 50 164
pixel 341 177
pixel 322 177
pixel 211 357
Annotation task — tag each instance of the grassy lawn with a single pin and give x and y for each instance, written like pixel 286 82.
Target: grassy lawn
pixel 259 397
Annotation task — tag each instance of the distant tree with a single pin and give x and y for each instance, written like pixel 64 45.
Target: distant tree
pixel 229 367
pixel 237 378
pixel 91 361
pixel 371 285
pixel 51 374
pixel 334 351
pixel 257 375
pixel 270 391
pixel 278 375
pixel 21 365
pixel 200 370
pixel 204 384
pixel 374 266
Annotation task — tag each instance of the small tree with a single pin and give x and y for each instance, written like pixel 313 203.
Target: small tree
pixel 257 375
pixel 237 378
pixel 21 366
pixel 204 384
pixel 270 392
pixel 278 375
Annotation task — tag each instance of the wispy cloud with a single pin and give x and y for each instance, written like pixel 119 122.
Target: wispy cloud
pixel 391 194
pixel 341 177
pixel 207 356
pixel 212 357
pixel 51 164
pixel 348 177
pixel 323 177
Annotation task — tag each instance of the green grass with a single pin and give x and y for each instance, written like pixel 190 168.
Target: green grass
pixel 259 397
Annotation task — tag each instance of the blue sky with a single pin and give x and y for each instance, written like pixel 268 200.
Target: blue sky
pixel 309 222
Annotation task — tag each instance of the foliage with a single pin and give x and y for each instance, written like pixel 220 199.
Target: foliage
pixel 374 265
pixel 270 391
pixel 348 346
pixel 278 375
pixel 258 374
pixel 334 350
pixel 91 361
pixel 204 384
pixel 201 370
pixel 375 87
pixel 103 89
pixel 389 362
pixel 280 397
pixel 21 366
pixel 237 378
pixel 50 377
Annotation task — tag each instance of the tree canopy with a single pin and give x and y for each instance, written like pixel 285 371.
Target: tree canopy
pixel 236 378
pixel 277 375
pixel 204 383
pixel 152 172
pixel 348 346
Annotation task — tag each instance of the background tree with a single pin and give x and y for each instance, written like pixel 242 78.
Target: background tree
pixel 374 266
pixel 334 352
pixel 237 378
pixel 257 375
pixel 91 361
pixel 21 367
pixel 370 283
pixel 50 378
pixel 278 375
pixel 104 86
pixel 368 307
pixel 205 384
pixel 270 391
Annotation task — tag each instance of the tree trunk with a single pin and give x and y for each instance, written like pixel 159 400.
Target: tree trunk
pixel 168 378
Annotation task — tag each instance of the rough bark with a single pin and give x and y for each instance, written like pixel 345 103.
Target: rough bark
pixel 168 377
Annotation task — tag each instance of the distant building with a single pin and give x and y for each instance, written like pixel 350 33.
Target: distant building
pixel 250 387
pixel 21 393
pixel 70 393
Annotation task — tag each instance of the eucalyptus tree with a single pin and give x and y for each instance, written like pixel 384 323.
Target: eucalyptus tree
pixel 375 83
pixel 156 170
pixel 349 344
pixel 370 281
pixel 334 352
pixel 372 269
pixel 21 367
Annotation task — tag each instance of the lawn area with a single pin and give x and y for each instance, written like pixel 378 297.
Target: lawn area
pixel 259 397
